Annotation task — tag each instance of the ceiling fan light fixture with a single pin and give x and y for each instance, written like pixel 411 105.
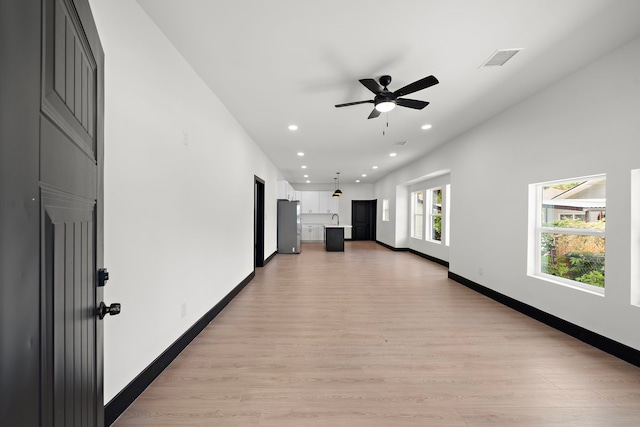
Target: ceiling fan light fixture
pixel 385 106
pixel 386 100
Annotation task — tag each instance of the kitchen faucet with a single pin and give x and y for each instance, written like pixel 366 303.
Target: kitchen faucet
pixel 338 218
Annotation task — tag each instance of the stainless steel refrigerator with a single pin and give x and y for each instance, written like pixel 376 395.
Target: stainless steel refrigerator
pixel 289 228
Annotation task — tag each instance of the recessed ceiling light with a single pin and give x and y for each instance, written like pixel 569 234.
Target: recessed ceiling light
pixel 425 127
pixel 306 176
pixel 392 154
pixel 303 167
pixel 293 127
pixel 300 154
pixel 308 182
pixel 375 167
pixel 364 174
pixel 357 180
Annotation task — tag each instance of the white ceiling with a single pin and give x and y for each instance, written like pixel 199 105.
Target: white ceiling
pixel 280 62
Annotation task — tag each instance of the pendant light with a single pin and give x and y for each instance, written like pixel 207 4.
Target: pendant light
pixel 337 193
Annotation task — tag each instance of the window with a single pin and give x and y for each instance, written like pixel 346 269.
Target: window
pixel 435 214
pixel 635 237
pixel 447 213
pixel 569 232
pixel 417 214
pixel 385 209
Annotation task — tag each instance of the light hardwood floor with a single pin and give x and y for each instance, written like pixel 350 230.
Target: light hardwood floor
pixel 372 337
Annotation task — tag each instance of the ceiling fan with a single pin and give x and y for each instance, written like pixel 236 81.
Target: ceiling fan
pixel 385 100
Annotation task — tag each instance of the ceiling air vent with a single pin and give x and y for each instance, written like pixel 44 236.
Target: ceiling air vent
pixel 399 143
pixel 500 57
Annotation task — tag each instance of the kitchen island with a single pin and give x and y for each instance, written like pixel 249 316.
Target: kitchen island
pixel 334 237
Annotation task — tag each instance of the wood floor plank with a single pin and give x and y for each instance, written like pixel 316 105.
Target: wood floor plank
pixel 372 337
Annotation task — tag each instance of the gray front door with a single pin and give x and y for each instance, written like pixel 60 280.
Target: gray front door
pixel 52 214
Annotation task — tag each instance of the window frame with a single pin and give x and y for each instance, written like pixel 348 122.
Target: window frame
pixel 447 213
pixel 430 215
pixel 537 229
pixel 385 210
pixel 414 215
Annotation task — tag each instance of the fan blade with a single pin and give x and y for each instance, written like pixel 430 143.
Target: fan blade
pixel 416 86
pixel 375 113
pixel 372 85
pixel 411 103
pixel 354 103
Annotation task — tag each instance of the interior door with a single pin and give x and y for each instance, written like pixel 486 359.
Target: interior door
pixel 363 219
pixel 258 222
pixel 56 139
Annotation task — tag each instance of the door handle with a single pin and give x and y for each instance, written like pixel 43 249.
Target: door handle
pixel 112 309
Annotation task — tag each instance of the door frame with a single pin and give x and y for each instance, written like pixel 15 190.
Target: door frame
pixel 258 222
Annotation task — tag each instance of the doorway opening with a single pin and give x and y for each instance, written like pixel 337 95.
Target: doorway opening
pixel 363 219
pixel 258 223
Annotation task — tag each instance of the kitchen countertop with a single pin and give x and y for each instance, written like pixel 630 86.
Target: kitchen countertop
pixel 337 226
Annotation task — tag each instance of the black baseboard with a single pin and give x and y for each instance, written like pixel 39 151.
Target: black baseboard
pixel 269 258
pixel 619 350
pixel 391 247
pixel 430 258
pixel 413 251
pixel 122 400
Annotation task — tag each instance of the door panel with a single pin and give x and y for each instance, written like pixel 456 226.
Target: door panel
pixel 68 243
pixel 70 199
pixel 61 152
pixel 70 75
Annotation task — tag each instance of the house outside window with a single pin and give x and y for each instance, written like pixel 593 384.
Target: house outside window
pixel 417 214
pixel 435 214
pixel 385 209
pixel 569 232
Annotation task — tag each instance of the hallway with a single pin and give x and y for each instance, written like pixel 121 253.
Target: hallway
pixel 372 337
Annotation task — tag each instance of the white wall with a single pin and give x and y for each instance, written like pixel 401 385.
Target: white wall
pixel 179 185
pixel 586 123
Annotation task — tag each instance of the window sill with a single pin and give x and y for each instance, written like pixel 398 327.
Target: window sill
pixel 569 284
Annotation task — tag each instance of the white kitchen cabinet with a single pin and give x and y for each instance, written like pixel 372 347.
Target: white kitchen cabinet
pixel 318 202
pixel 309 202
pixel 290 192
pixel 312 233
pixel 285 191
pixel 326 202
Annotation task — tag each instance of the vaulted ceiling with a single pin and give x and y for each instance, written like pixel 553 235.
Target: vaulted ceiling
pixel 281 62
